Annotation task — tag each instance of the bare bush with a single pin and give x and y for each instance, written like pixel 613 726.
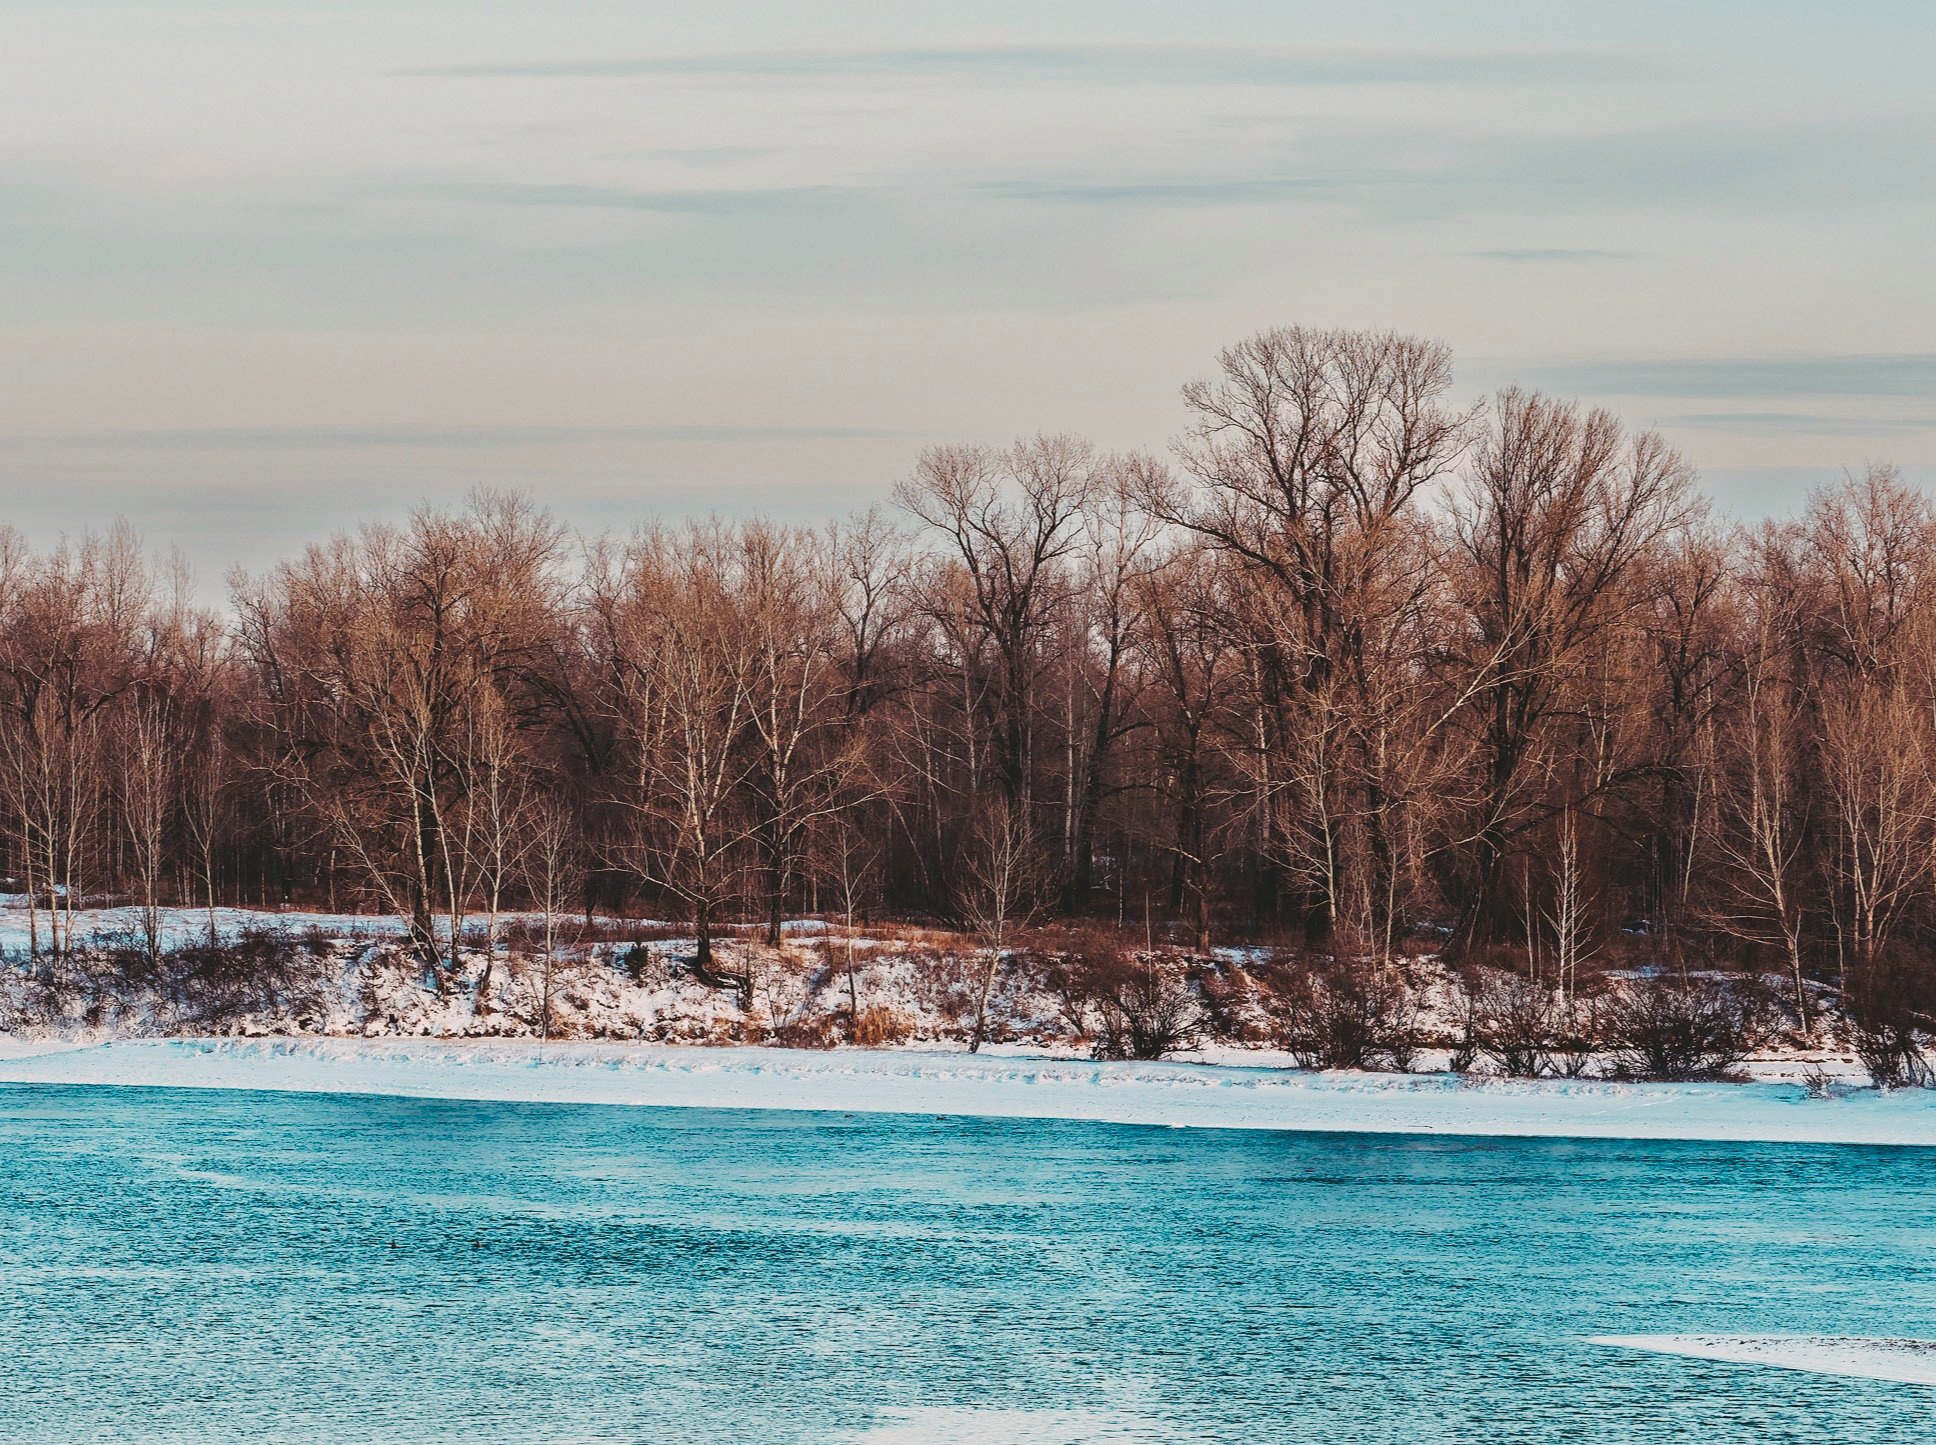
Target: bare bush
pixel 1523 1028
pixel 1518 1024
pixel 947 983
pixel 1344 1015
pixel 1148 1007
pixel 1675 1030
pixel 1231 1006
pixel 812 1031
pixel 1581 1032
pixel 785 990
pixel 259 971
pixel 1889 1014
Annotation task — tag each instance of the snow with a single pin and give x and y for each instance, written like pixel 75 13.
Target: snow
pixel 184 927
pixel 1011 1085
pixel 344 1006
pixel 347 974
pixel 1911 1362
pixel 942 1425
pixel 1247 954
pixel 188 927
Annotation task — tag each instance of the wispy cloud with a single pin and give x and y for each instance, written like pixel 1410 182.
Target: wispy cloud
pixel 1540 254
pixel 432 438
pixel 1105 62
pixel 1906 374
pixel 1422 172
pixel 1819 423
pixel 724 201
pixel 1238 191
pixel 1439 172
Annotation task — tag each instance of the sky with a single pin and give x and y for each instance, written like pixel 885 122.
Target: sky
pixel 268 268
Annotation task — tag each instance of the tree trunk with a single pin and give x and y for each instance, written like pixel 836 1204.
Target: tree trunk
pixel 981 1007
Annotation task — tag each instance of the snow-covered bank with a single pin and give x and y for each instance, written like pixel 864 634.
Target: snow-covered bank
pixel 1006 1086
pixel 309 975
pixel 1911 1362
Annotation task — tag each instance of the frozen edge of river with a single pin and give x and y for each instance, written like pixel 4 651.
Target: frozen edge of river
pixel 1909 1362
pixel 1000 1086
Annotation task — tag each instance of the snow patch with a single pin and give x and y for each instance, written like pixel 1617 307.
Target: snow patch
pixel 999 1086
pixel 940 1425
pixel 1910 1362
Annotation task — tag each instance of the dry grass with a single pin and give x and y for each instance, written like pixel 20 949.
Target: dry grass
pixel 874 1027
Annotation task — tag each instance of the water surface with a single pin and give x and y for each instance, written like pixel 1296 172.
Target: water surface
pixel 218 1266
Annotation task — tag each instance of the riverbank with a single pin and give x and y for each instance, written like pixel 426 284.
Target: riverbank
pixel 996 1085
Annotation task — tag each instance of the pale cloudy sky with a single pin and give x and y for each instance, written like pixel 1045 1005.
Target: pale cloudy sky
pixel 269 267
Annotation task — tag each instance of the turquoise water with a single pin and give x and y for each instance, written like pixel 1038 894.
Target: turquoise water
pixel 189 1265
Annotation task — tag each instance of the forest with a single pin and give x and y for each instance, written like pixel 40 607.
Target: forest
pixel 1353 669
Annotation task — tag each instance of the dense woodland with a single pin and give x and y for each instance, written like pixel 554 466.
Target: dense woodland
pixel 1353 668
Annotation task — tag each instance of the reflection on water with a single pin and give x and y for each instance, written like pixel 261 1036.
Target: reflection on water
pixel 240 1267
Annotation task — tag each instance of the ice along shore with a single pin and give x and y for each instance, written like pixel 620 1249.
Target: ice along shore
pixel 986 1085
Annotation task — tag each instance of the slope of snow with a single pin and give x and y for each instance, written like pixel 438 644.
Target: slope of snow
pixel 1911 1362
pixel 342 974
pixel 1012 1085
pixel 311 975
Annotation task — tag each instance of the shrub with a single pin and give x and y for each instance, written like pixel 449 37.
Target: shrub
pixel 257 970
pixel 1888 1009
pixel 125 955
pixel 1148 1009
pixel 816 1031
pixel 1581 1030
pixel 1518 1025
pixel 1072 983
pixel 946 984
pixel 1523 1028
pixel 1344 1015
pixel 1230 1004
pixel 1661 1029
pixel 1136 1006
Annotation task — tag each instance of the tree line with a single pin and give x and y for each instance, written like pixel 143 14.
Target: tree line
pixel 1352 666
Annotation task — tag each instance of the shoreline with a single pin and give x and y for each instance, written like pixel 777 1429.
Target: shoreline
pixel 987 1085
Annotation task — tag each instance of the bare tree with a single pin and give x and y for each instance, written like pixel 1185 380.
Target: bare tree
pixel 1309 451
pixel 1001 888
pixel 72 644
pixel 848 855
pixel 374 658
pixel 682 657
pixel 1763 818
pixel 1571 913
pixel 1558 511
pixel 1188 653
pixel 1874 741
pixel 551 866
pixel 1009 520
pixel 802 734
pixel 1120 549
pixel 148 752
pixel 498 804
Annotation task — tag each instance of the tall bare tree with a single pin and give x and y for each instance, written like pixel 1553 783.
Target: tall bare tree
pixel 681 657
pixel 1309 451
pixel 1559 509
